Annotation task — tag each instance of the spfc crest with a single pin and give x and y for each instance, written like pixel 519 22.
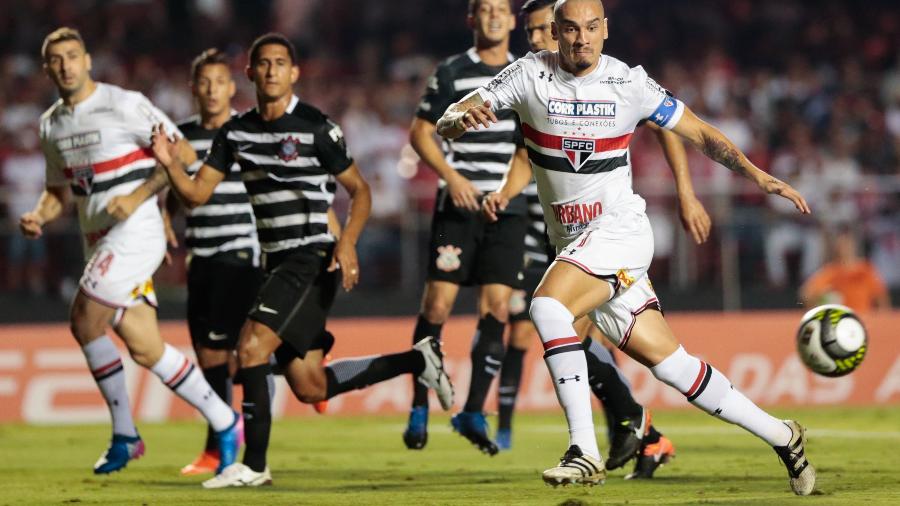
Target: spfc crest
pixel 289 149
pixel 578 151
pixel 83 177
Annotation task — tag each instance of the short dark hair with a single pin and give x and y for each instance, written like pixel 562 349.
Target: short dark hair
pixel 272 38
pixel 535 5
pixel 473 5
pixel 60 35
pixel 211 56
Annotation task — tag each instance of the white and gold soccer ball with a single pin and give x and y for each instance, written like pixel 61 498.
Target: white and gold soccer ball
pixel 831 340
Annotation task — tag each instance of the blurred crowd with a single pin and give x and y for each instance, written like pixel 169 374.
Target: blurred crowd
pixel 809 90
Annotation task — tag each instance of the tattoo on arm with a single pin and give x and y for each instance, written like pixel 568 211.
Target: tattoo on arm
pixel 723 153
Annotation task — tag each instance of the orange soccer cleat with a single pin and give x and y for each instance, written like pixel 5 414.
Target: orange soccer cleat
pixel 206 462
pixel 322 406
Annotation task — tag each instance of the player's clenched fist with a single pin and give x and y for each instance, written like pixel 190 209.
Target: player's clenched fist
pixel 475 117
pixel 493 204
pixel 31 225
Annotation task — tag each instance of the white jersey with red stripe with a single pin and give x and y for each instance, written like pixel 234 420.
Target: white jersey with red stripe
pixel 101 148
pixel 577 131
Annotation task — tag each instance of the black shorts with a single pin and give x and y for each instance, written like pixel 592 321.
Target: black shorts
pixel 521 299
pixel 467 250
pixel 296 297
pixel 221 291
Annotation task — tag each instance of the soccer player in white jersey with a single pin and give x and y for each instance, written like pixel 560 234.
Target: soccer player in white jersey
pixel 577 127
pixel 96 141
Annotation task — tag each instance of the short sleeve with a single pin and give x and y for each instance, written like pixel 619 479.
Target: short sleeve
pixel 656 103
pixel 55 170
pixel 331 148
pixel 508 88
pixel 220 155
pixel 141 116
pixel 438 96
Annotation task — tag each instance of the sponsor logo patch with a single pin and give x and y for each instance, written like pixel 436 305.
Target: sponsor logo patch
pixel 581 108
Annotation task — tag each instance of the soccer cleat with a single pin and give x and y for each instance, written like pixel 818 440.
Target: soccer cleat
pixel 801 472
pixel 434 376
pixel 576 467
pixel 652 456
pixel 322 406
pixel 504 439
pixel 229 442
pixel 626 440
pixel 206 462
pixel 473 426
pixel 239 475
pixel 416 434
pixel 121 450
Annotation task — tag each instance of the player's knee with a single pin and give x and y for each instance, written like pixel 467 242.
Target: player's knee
pixel 521 335
pixel 545 309
pixel 308 387
pixel 499 309
pixel 436 310
pixel 83 327
pixel 249 351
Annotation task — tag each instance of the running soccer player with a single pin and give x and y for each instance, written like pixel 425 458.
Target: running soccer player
pixel 600 230
pixel 630 434
pixel 291 156
pixel 95 139
pixel 464 248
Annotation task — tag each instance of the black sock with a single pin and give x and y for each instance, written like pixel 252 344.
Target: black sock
pixel 257 415
pixel 652 436
pixel 424 328
pixel 510 377
pixel 487 356
pixel 608 384
pixel 217 377
pixel 350 374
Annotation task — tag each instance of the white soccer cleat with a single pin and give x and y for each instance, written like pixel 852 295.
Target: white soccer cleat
pixel 434 376
pixel 576 467
pixel 239 475
pixel 801 472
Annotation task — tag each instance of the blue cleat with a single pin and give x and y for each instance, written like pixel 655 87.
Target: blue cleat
pixel 473 426
pixel 121 450
pixel 416 434
pixel 504 439
pixel 229 441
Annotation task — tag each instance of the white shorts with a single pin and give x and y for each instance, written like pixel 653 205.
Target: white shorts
pixel 619 254
pixel 616 318
pixel 120 268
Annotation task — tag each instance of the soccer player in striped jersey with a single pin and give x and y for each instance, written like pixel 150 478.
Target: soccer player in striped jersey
pixel 464 249
pixel 291 158
pixel 223 272
pixel 95 139
pixel 630 435
pixel 577 130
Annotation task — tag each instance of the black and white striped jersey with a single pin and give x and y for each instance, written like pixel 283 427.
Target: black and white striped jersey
pixel 481 156
pixel 225 222
pixel 288 166
pixel 536 243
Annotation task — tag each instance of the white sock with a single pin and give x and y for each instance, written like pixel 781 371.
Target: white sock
pixel 187 381
pixel 105 364
pixel 568 369
pixel 708 389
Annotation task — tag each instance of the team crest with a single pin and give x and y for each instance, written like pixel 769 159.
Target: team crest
pixel 448 258
pixel 84 177
pixel 625 279
pixel 578 151
pixel 290 149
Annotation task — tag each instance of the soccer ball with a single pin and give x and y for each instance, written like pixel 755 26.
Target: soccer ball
pixel 831 340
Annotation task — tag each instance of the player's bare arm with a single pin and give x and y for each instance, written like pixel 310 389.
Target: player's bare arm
pixel 472 112
pixel 360 207
pixel 462 192
pixel 193 192
pixel 693 215
pixel 713 143
pixel 516 179
pixel 334 224
pixel 122 206
pixel 49 206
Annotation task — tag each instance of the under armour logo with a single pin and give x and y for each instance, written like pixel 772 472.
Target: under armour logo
pixel 563 380
pixel 718 411
pixel 549 76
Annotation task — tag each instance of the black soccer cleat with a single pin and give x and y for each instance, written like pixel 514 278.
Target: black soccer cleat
pixel 651 458
pixel 626 440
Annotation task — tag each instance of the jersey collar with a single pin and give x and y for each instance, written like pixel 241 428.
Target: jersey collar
pixel 294 101
pixel 473 55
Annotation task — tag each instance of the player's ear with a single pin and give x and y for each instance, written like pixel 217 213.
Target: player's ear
pixel 248 71
pixel 295 73
pixel 554 30
pixel 232 88
pixel 605 28
pixel 87 61
pixel 470 22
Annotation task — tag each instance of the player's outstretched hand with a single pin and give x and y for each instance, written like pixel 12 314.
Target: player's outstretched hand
pixel 31 225
pixel 463 193
pixel 164 148
pixel 492 204
pixel 121 207
pixel 694 219
pixel 345 259
pixel 478 116
pixel 775 186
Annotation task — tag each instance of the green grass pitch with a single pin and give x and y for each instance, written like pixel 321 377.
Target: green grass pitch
pixel 362 461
